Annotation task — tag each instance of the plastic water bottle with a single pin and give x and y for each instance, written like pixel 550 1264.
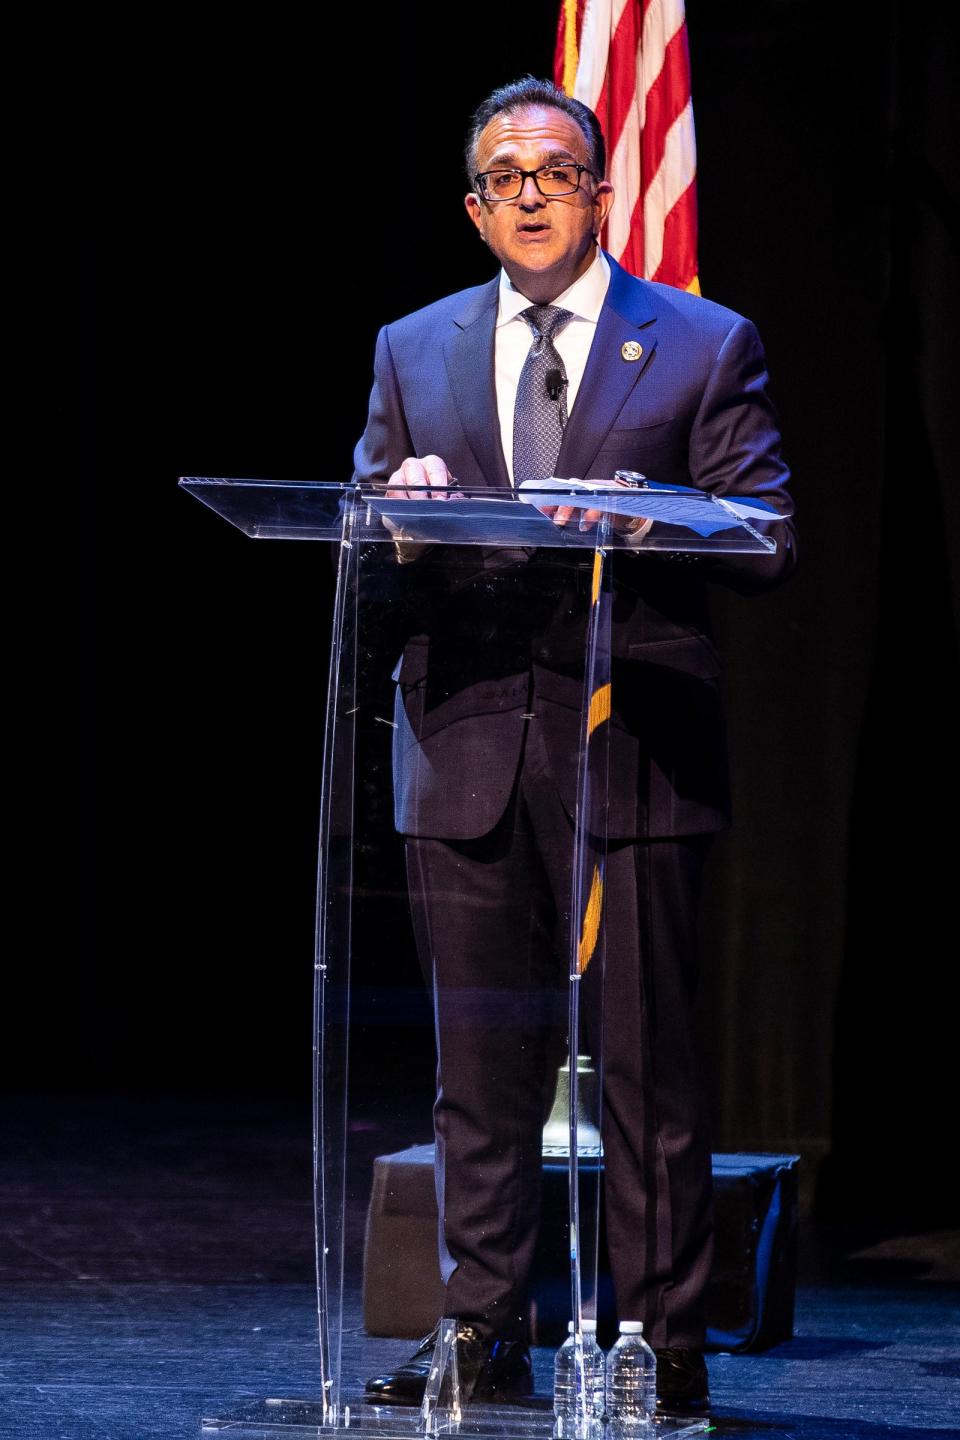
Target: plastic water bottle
pixel 565 1406
pixel 631 1380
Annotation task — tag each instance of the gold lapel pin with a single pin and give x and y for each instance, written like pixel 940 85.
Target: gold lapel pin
pixel 630 350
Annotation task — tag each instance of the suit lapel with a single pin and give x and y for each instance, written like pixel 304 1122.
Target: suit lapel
pixel 468 355
pixel 627 316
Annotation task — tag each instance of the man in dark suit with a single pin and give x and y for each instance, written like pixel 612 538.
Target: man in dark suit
pixel 639 377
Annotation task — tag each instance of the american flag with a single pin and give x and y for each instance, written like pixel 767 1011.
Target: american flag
pixel 628 60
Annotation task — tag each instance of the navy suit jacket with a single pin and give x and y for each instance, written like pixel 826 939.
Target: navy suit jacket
pixel 693 410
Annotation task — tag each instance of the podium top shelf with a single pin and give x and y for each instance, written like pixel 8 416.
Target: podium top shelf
pixel 635 514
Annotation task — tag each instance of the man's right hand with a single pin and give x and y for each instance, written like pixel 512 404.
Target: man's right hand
pixel 431 470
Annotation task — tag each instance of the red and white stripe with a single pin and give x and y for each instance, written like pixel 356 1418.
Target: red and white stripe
pixel 628 60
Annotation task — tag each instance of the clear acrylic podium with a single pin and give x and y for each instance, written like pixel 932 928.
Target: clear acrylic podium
pixel 465 627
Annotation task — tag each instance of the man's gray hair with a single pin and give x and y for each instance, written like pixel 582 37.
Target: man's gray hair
pixel 530 91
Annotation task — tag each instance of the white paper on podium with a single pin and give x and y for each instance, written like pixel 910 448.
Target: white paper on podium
pixel 454 519
pixel 696 510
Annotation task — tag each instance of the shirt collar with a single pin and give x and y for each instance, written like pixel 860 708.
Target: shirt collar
pixel 584 298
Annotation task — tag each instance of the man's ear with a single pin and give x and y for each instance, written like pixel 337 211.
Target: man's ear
pixel 602 201
pixel 474 210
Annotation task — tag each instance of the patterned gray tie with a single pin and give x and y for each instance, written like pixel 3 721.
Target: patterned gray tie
pixel 538 419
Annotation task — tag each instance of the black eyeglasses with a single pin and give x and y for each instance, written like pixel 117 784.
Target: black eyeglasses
pixel 550 180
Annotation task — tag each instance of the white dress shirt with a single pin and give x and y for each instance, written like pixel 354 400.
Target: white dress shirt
pixel 514 337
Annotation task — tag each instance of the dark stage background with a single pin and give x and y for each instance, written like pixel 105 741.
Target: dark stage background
pixel 259 238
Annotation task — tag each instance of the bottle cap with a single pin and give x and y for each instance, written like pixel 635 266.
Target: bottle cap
pixel 631 1327
pixel 589 1325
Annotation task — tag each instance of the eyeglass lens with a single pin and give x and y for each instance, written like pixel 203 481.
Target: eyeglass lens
pixel 550 180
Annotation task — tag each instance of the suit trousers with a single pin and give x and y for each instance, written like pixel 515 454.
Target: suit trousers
pixel 492 923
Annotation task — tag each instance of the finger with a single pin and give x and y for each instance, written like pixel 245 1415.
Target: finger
pixel 562 514
pixel 396 489
pixel 435 472
pixel 414 474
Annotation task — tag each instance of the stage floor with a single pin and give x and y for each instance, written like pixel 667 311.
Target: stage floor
pixel 157 1266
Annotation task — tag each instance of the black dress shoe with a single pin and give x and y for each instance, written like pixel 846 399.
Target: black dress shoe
pixel 682 1384
pixel 491 1371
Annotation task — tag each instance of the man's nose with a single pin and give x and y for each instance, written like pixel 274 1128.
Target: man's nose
pixel 530 197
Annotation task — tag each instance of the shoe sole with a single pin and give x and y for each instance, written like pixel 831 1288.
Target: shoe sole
pixel 482 1397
